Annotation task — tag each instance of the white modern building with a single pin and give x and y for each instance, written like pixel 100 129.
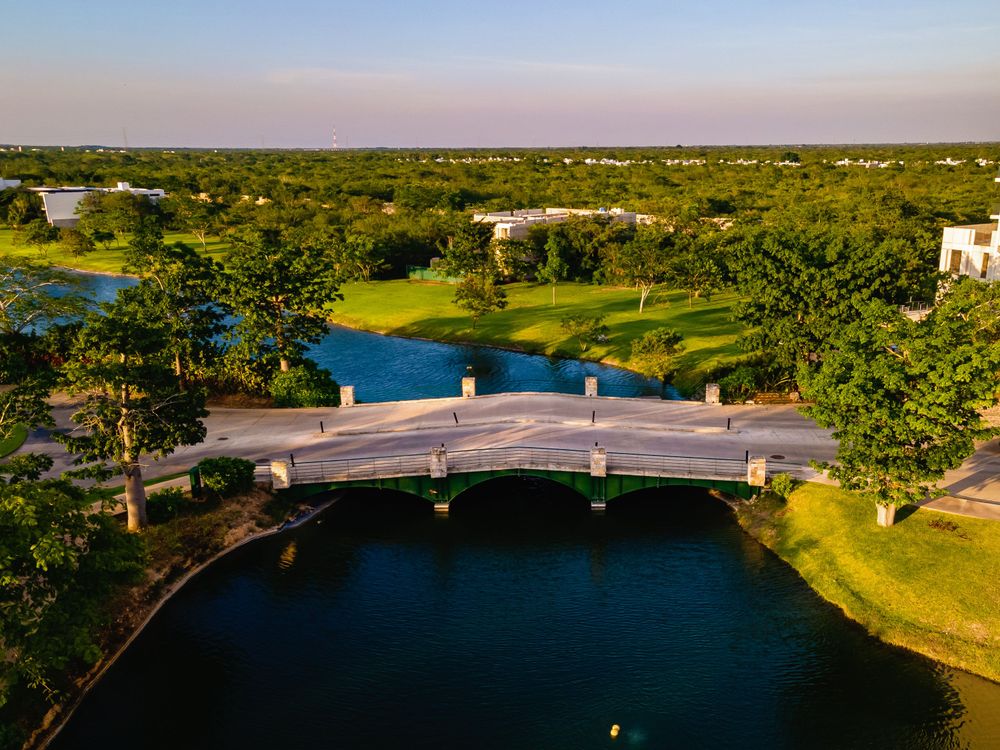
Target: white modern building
pixel 973 249
pixel 61 202
pixel 515 225
pixel 4 184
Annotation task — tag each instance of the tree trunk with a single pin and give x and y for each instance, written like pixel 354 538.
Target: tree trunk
pixel 643 293
pixel 135 498
pixel 285 365
pixel 886 515
pixel 553 294
pixel 178 370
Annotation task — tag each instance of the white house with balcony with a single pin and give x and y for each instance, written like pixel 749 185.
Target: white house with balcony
pixel 973 249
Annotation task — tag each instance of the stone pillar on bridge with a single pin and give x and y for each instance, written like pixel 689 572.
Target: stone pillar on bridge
pixel 590 386
pixel 598 462
pixel 439 463
pixel 712 394
pixel 347 395
pixel 468 387
pixel 757 471
pixel 280 479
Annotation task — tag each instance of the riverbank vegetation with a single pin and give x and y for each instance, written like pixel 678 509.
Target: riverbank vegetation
pixel 98 584
pixel 928 584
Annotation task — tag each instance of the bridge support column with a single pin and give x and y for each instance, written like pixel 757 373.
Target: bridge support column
pixel 441 507
pixel 468 387
pixel 590 386
pixel 598 462
pixel 347 395
pixel 280 480
pixel 757 471
pixel 439 463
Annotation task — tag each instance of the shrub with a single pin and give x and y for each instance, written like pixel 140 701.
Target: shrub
pixel 587 329
pixel 782 485
pixel 165 505
pixel 738 385
pixel 225 476
pixel 305 385
pixel 653 354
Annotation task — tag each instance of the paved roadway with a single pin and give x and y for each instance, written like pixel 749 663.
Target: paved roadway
pixel 536 420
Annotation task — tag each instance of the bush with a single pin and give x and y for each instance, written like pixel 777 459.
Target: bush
pixel 305 385
pixel 587 329
pixel 165 505
pixel 739 385
pixel 653 354
pixel 225 476
pixel 782 485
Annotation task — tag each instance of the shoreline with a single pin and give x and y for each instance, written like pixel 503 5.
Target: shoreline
pixel 742 516
pixel 49 729
pixel 759 524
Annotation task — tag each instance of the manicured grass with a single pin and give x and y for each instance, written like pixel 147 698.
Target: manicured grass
pixel 14 441
pixel 531 321
pixel 100 260
pixel 931 583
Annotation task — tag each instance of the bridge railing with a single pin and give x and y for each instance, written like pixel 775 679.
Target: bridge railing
pixel 522 457
pixel 485 459
pixel 677 466
pixel 343 469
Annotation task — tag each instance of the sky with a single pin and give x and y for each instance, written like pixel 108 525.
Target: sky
pixel 437 74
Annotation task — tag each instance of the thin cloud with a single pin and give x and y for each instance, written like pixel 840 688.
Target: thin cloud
pixel 313 76
pixel 550 66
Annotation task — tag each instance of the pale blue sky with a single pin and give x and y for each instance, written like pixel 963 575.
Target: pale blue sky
pixel 447 73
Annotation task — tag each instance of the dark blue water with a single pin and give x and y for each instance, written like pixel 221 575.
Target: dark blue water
pixel 389 368
pixel 507 628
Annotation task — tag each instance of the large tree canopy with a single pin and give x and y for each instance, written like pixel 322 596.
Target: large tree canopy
pixel 281 294
pixel 134 405
pixel 905 398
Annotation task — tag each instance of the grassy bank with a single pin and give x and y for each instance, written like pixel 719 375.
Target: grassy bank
pixel 100 260
pixel 930 584
pixel 531 321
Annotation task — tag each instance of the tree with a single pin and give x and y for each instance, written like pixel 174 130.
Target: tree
pixel 479 296
pixel 39 234
pixel 654 352
pixel 587 329
pixel 555 268
pixel 642 262
pixel 34 294
pixel 472 256
pixel 905 398
pixel 692 267
pixel 134 404
pixel 76 242
pixel 179 289
pixel 59 562
pixel 281 294
pixel 192 215
pixel 118 213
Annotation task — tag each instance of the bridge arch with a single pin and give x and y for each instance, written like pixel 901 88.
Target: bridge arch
pixel 523 491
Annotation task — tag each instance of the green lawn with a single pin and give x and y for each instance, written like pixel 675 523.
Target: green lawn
pixel 13 441
pixel 531 321
pixel 100 260
pixel 931 583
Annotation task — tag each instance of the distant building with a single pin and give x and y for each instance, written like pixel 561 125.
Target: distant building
pixel 973 249
pixel 4 184
pixel 61 202
pixel 514 225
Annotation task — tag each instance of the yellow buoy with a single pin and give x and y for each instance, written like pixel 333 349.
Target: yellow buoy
pixel 615 729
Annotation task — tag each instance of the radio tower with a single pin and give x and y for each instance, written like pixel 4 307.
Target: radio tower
pixel 335 139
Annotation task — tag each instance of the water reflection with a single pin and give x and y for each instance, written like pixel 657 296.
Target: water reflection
pixel 500 628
